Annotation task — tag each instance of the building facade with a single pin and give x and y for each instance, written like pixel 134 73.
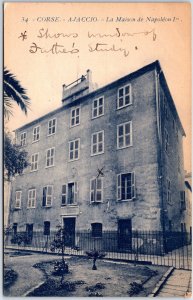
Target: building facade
pixel 107 159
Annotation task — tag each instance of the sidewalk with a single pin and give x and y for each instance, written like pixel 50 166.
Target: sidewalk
pixel 29 277
pixel 179 284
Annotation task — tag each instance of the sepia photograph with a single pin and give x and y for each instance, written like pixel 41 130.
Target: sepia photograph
pixel 97 150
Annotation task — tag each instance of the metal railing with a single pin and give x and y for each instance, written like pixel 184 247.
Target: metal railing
pixel 171 249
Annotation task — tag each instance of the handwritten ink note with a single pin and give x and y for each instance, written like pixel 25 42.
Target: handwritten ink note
pixel 115 40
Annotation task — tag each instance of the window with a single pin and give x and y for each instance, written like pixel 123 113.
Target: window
pixel 31 198
pixel 23 139
pixel 36 133
pixel 124 135
pixel 169 199
pixel 98 107
pixel 97 143
pixel 96 190
pixel 182 200
pixel 18 199
pixel 47 196
pixel 124 96
pixel 46 228
pixel 52 127
pixel 69 193
pixel 50 157
pixel 74 149
pixel 97 229
pixel 34 162
pixel 126 186
pixel 166 141
pixel 75 117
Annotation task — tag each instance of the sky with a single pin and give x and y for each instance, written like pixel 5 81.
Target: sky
pixel 47 45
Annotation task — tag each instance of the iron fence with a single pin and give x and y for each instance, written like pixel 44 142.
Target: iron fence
pixel 169 249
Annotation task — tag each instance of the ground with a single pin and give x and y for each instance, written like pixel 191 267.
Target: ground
pixel 110 279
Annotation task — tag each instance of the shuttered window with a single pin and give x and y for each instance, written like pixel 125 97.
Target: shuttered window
pixel 47 195
pixel 23 140
pixel 124 96
pixel 31 198
pixel 98 107
pixel 126 186
pixel 50 157
pixel 36 133
pixel 34 162
pixel 96 190
pixel 51 126
pixel 75 117
pixel 18 199
pixel 69 193
pixel 124 135
pixel 97 143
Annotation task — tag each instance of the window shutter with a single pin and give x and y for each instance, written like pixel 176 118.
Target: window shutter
pixel 64 194
pixel 29 200
pixel 119 187
pixel 34 198
pixel 133 184
pixel 49 196
pixel 75 192
pixel 92 190
pixel 44 196
pixel 98 189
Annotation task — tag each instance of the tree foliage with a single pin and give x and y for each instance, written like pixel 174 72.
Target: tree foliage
pixel 13 92
pixel 15 159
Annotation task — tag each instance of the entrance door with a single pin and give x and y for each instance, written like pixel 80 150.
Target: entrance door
pixel 14 229
pixel 69 227
pixel 29 233
pixel 124 234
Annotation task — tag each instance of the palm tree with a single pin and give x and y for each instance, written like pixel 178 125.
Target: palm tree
pixel 13 93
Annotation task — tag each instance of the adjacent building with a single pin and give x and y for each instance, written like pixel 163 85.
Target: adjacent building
pixel 107 159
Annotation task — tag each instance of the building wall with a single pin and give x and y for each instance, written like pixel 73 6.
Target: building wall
pixel 173 167
pixel 142 158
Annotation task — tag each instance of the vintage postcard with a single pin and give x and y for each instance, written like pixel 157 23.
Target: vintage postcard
pixel 97 149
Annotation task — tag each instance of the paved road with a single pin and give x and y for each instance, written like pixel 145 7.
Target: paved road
pixel 179 284
pixel 28 277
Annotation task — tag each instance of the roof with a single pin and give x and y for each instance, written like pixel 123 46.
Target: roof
pixel 135 74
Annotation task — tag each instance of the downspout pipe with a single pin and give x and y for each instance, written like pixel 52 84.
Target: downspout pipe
pixel 160 155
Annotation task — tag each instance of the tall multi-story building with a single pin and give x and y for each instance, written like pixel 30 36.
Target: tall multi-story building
pixel 107 159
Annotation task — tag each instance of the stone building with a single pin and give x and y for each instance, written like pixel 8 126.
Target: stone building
pixel 107 159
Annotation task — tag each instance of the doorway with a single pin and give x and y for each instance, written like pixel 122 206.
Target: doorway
pixel 69 227
pixel 125 234
pixel 29 233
